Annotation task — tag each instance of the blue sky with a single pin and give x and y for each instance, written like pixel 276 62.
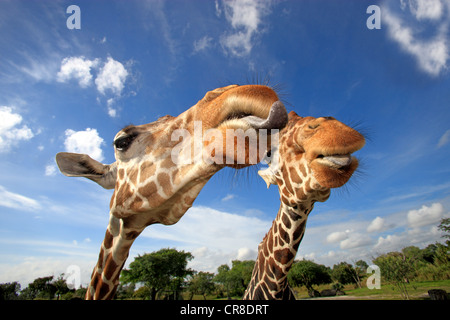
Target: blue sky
pixel 134 61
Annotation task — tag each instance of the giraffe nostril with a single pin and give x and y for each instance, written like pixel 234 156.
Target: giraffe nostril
pixel 314 125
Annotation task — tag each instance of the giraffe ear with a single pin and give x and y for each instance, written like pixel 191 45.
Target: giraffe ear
pixel 81 165
pixel 268 176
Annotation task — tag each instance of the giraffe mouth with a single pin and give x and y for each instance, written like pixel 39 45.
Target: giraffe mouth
pixel 337 157
pixel 276 119
pixel 336 161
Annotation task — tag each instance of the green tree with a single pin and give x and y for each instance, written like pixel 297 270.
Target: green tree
pixel 361 265
pixel 236 279
pixel 308 273
pixel 201 283
pixel 223 278
pixel 9 291
pixel 396 268
pixel 40 288
pixel 445 226
pixel 414 253
pixel 360 270
pixel 241 273
pixel 60 286
pixel 72 294
pixel 80 293
pixel 416 257
pixel 345 273
pixel 161 270
pixel 125 291
pixel 441 255
pixel 429 252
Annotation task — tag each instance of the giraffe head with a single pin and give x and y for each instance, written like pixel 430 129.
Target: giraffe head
pixel 161 166
pixel 314 155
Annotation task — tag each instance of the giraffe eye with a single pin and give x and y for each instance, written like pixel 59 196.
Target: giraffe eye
pixel 123 143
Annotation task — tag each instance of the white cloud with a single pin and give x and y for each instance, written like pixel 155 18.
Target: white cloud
pixel 432 53
pixel 351 239
pixel 87 142
pixel 10 131
pixel 228 197
pixel 445 139
pixel 219 229
pixel 337 236
pixel 111 77
pixel 245 17
pixel 28 269
pixel 425 215
pixel 112 112
pixel 419 229
pixel 207 260
pixel 17 201
pixel 377 224
pixel 390 242
pixel 214 237
pixel 39 70
pixel 202 44
pixel 218 9
pixel 77 68
pixel 309 256
pixel 355 240
pixel 246 254
pixel 50 170
pixel 426 9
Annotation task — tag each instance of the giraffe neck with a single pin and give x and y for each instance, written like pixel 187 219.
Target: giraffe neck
pixel 113 254
pixel 276 254
pixel 122 231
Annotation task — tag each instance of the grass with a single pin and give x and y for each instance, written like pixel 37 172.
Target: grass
pixel 416 290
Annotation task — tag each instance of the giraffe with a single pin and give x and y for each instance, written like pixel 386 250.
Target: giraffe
pixel 153 185
pixel 314 155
